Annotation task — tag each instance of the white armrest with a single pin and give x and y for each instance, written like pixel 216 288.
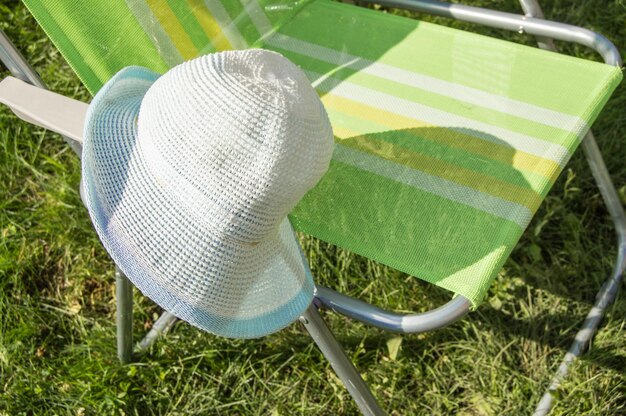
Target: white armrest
pixel 44 108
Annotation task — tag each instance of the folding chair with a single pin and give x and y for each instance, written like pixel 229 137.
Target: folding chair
pixel 466 134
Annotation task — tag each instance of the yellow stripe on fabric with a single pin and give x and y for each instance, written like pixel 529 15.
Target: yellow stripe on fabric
pixel 471 179
pixel 342 133
pixel 209 25
pixel 504 154
pixel 173 28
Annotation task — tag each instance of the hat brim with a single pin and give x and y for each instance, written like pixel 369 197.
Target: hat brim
pixel 166 251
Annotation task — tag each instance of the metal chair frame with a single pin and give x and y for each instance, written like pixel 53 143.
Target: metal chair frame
pixel 532 23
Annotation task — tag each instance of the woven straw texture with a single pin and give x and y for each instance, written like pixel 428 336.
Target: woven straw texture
pixel 189 178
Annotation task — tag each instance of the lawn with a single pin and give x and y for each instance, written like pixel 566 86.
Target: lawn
pixel 57 296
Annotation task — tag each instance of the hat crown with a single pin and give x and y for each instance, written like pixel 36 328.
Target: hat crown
pixel 236 138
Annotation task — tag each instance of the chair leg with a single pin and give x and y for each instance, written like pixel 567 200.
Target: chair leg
pixel 607 293
pixel 608 191
pixel 16 63
pixel 160 327
pixel 124 322
pixel 340 362
pixel 124 316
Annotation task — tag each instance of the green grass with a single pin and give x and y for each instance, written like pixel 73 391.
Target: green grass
pixel 57 334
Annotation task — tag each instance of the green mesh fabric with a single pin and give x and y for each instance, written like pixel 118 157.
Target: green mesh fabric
pixel 101 38
pixel 446 141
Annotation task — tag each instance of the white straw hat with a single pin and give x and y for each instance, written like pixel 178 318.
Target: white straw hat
pixel 188 178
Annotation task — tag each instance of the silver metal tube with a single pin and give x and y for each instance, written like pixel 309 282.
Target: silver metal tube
pixel 124 316
pixel 516 23
pixel 391 321
pixel 19 68
pixel 160 327
pixel 531 9
pixel 581 342
pixel 16 63
pixel 607 189
pixel 342 365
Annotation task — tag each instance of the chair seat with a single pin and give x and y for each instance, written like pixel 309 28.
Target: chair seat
pixel 446 141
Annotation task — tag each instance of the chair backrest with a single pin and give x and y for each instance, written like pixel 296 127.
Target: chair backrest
pixel 446 141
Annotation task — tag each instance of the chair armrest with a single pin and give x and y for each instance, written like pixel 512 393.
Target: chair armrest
pixel 391 321
pixel 44 108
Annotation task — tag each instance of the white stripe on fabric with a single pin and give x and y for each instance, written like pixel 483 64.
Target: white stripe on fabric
pixel 160 39
pixel 258 17
pixel 458 92
pixel 425 114
pixel 226 24
pixel 452 191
